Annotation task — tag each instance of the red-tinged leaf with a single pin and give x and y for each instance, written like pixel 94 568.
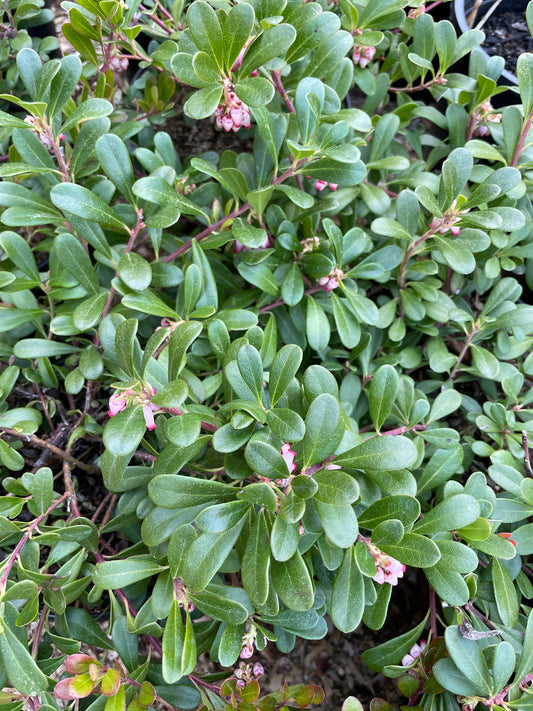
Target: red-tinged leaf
pixel 79 663
pixel 96 671
pixel 303 697
pixel 110 682
pixel 319 693
pixel 146 694
pixel 251 691
pixel 228 686
pixel 77 687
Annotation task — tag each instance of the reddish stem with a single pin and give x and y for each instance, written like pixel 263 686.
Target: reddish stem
pixel 522 139
pixel 276 80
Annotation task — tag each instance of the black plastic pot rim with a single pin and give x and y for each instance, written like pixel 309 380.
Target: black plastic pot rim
pixel 460 16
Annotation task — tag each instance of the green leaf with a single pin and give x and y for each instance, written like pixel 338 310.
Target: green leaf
pixel 124 431
pixel 444 404
pixel 382 394
pixel 286 424
pixel 404 508
pixel 284 538
pixel 454 512
pixel 86 111
pixel 221 517
pixel 321 436
pixel 150 304
pixel 317 325
pixel 524 73
pixel 526 657
pixel 293 583
pixel 202 103
pixel 237 29
pixel 206 555
pixel 283 369
pixel 179 646
pixel 339 522
pixel 505 594
pixel 347 324
pixel 206 31
pixel 348 595
pixel 265 460
pixel 19 665
pixel 180 492
pixel 377 658
pixel 271 43
pixel 116 574
pixel 485 362
pixel 255 91
pixel 115 160
pixel 415 550
pixel 256 561
pixel 336 487
pixel 467 655
pixel 182 337
pixel 42 348
pixel 251 369
pixel 77 262
pixel 19 252
pixel 83 203
pixel 135 271
pixel 459 258
pixel 380 453
pixel 250 236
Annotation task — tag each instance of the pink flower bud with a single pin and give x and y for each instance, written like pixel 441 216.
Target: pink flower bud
pixel 258 670
pixel 288 455
pixel 247 651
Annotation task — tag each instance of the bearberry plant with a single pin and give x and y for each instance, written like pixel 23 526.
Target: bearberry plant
pixel 257 386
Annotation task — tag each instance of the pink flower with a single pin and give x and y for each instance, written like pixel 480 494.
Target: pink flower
pixel 389 570
pixel 149 415
pixel 321 184
pixel 117 403
pixel 416 651
pixel 288 455
pixel 331 281
pixel 233 113
pixel 258 670
pixel 363 55
pixel 247 651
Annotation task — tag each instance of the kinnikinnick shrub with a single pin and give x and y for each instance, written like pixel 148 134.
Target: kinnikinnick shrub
pixel 248 391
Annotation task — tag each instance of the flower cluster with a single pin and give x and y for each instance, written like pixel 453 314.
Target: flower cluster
pixel 483 113
pixel 415 651
pixel 389 570
pixel 119 63
pixel 331 281
pixel 321 184
pixel 233 113
pixel 39 129
pixel 120 400
pixel 248 672
pixel 362 55
pixel 448 222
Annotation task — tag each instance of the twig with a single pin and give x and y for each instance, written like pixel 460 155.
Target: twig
pixel 527 460
pixel 280 302
pixel 521 140
pixel 276 79
pixel 463 352
pixel 20 545
pixel 421 87
pixel 231 216
pixel 43 444
pixel 69 489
